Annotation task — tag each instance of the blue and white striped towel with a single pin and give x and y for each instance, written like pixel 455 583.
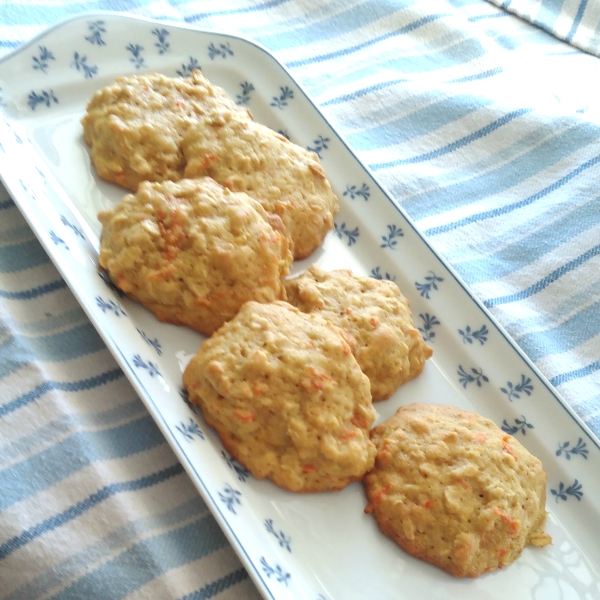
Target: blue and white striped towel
pixel 483 127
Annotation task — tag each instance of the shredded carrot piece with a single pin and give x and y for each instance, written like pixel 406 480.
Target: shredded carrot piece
pixel 359 421
pixel 513 525
pixel 245 416
pixel 480 437
pixel 508 448
pixel 377 497
pixel 429 503
pixel 309 468
pixel 501 552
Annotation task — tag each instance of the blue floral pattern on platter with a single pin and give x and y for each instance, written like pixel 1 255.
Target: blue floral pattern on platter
pixel 85 65
pixel 520 425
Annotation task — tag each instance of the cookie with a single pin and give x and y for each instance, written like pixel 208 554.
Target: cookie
pixel 134 127
pixel 286 396
pixel 286 179
pixel 390 349
pixel 453 489
pixel 193 252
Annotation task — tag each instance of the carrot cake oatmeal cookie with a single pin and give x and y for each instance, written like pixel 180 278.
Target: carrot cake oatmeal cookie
pixel 135 126
pixel 193 252
pixel 390 349
pixel 286 179
pixel 453 489
pixel 286 396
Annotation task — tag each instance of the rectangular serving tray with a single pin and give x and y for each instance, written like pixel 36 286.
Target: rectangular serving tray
pixel 319 546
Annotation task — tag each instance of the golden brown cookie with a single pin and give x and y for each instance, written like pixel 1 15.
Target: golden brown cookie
pixel 135 126
pixel 286 179
pixel 286 396
pixel 453 489
pixel 390 349
pixel 193 252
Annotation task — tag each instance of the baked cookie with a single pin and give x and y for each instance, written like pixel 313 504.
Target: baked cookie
pixel 286 396
pixel 453 489
pixel 193 252
pixel 286 179
pixel 390 349
pixel 135 126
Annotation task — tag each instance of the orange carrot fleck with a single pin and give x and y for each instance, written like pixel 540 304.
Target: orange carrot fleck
pixel 429 503
pixel 377 497
pixel 359 421
pixel 513 525
pixel 245 416
pixel 309 468
pixel 508 448
pixel 480 437
pixel 501 552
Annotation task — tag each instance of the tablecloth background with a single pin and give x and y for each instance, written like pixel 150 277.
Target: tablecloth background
pixel 480 120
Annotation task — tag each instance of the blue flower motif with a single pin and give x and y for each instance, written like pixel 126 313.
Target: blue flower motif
pixel 389 240
pixel 320 144
pixel 355 192
pixel 80 63
pixel 44 97
pixel 66 221
pixel 231 498
pixel 280 575
pixel 284 540
pixel 97 29
pixel 514 391
pixel 342 230
pixel 376 274
pixel 580 449
pixel 40 63
pixel 150 366
pixel 223 50
pixel 476 375
pixel 190 430
pixel 136 55
pixel 57 240
pixel 243 98
pixel 109 306
pixel 430 284
pixel 574 490
pixel 153 343
pixel 186 70
pixel 282 101
pixel 479 334
pixel 162 44
pixel 520 425
pixel 429 322
pixel 241 471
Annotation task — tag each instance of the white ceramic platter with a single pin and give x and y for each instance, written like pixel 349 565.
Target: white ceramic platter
pixel 319 546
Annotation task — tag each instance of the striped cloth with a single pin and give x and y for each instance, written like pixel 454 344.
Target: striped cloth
pixel 482 126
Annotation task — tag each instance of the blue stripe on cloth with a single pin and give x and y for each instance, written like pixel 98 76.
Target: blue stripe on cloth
pixel 148 559
pixel 538 286
pixel 366 44
pixel 455 145
pixel 489 214
pixel 436 114
pixel 343 22
pixel 546 237
pixel 576 20
pixel 232 11
pixel 360 92
pixel 478 76
pixel 22 256
pixel 218 586
pixel 35 292
pixel 91 501
pixel 119 536
pixel 575 374
pixel 60 461
pixel 580 328
pixel 68 386
pixel 18 351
